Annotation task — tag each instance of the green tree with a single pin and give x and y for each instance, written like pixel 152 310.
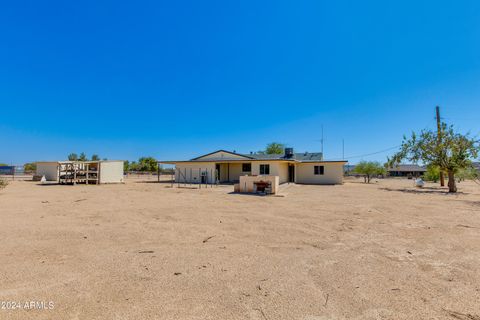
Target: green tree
pixel 126 166
pixel 369 169
pixel 448 150
pixel 83 157
pixel 30 167
pixel 95 157
pixel 274 148
pixel 148 164
pixel 72 157
pixel 432 173
pixel 133 166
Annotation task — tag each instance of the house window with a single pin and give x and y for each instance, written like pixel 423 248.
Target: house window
pixel 319 170
pixel 265 169
pixel 246 167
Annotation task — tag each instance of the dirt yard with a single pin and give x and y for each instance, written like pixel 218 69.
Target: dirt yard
pixel 144 250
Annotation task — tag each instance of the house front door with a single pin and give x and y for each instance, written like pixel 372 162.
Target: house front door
pixel 291 173
pixel 217 172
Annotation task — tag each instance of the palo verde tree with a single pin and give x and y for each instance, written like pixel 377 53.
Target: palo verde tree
pixel 369 169
pixel 448 150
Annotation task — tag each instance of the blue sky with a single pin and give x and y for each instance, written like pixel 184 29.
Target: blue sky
pixel 175 79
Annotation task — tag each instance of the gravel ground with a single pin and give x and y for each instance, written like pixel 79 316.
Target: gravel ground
pixel 144 250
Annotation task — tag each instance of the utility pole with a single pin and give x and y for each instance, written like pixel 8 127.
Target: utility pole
pixel 439 135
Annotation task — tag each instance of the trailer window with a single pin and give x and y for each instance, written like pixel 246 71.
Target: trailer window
pixel 319 170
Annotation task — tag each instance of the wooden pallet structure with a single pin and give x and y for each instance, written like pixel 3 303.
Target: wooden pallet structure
pixel 77 172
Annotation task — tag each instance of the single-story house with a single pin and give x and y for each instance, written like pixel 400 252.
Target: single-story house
pixel 89 172
pixel 406 170
pixel 226 167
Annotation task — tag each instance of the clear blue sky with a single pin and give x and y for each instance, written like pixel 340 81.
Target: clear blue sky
pixel 175 79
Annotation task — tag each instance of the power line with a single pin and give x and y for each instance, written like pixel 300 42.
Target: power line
pixel 373 153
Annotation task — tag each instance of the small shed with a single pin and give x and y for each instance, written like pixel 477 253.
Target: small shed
pixel 88 172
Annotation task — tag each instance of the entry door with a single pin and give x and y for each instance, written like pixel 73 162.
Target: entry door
pixel 217 169
pixel 291 173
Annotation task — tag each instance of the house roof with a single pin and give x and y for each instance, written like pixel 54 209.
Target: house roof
pixel 233 156
pixel 304 156
pixel 407 168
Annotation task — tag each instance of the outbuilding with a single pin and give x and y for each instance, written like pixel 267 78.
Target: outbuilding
pixel 88 172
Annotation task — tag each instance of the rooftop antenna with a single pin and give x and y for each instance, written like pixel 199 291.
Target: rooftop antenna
pixel 322 141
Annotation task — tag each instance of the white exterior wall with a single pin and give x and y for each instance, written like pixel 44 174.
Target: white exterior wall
pixel 277 168
pixel 236 171
pixel 111 172
pixel 190 172
pixel 48 169
pixel 333 173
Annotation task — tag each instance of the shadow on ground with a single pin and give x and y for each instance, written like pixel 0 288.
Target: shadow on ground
pixel 425 190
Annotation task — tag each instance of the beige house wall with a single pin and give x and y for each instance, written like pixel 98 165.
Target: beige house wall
pixel 333 173
pixel 111 172
pixel 235 171
pixel 277 168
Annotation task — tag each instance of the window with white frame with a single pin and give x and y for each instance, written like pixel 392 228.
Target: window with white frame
pixel 318 170
pixel 265 169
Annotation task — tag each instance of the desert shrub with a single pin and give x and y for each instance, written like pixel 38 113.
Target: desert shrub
pixel 369 169
pixel 432 173
pixel 3 183
pixel 467 174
